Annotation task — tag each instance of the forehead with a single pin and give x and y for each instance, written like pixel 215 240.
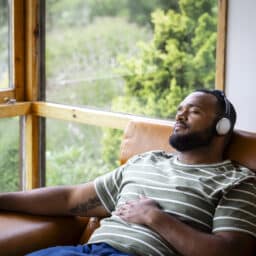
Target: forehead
pixel 200 99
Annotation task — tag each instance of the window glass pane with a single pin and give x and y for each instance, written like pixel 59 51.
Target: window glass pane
pixel 76 153
pixel 140 57
pixel 4 44
pixel 9 157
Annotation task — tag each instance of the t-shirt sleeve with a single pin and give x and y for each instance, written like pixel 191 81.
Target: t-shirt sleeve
pixel 107 188
pixel 236 210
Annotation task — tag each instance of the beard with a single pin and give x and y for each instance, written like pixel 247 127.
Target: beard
pixel 192 140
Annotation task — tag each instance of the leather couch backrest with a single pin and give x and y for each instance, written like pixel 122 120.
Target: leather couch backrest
pixel 142 136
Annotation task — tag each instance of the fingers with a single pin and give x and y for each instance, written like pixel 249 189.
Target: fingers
pixel 122 208
pixel 140 197
pixel 129 205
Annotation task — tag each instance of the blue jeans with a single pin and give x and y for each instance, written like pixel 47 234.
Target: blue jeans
pixel 101 249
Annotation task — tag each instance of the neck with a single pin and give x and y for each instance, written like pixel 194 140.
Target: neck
pixel 200 156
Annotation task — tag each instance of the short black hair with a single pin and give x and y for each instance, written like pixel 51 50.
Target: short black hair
pixel 226 107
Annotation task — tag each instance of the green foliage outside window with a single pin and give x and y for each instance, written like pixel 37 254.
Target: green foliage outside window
pixel 9 156
pixel 179 59
pixel 135 11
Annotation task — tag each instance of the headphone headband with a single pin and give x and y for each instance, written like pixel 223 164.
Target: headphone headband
pixel 227 104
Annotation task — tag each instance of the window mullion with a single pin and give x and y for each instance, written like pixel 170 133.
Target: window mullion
pixel 31 124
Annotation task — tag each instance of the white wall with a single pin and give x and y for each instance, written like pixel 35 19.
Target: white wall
pixel 241 61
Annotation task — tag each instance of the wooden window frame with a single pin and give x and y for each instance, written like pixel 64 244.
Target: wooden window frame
pixel 29 67
pixel 18 59
pixel 221 45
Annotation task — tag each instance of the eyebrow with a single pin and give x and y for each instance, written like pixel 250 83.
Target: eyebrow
pixel 191 105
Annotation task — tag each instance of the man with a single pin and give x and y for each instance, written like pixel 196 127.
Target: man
pixel 190 203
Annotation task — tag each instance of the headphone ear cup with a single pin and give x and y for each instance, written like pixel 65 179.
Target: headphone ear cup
pixel 223 126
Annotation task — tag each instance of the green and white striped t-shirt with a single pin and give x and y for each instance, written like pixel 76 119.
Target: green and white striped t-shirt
pixel 211 198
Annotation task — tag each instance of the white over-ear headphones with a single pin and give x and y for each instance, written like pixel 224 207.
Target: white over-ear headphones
pixel 223 126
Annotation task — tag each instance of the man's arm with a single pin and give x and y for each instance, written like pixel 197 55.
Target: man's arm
pixel 78 200
pixel 184 239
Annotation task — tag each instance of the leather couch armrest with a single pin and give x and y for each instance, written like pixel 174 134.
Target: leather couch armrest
pixel 92 224
pixel 21 233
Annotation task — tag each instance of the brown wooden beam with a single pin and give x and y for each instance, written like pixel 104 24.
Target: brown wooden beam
pixel 31 123
pixel 221 45
pixel 85 115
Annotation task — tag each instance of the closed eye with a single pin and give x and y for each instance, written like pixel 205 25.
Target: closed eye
pixel 195 111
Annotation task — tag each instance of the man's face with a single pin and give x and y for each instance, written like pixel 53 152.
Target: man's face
pixel 195 122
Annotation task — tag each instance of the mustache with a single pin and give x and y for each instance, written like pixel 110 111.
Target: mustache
pixel 181 123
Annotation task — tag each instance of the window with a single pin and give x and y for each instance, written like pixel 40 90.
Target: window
pixel 123 56
pixel 4 45
pixel 76 155
pixel 137 57
pixel 10 178
pixel 119 59
pixel 12 51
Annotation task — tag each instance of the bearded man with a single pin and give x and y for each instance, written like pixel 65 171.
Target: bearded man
pixel 191 203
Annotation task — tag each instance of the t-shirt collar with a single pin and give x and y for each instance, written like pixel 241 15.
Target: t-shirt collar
pixel 177 162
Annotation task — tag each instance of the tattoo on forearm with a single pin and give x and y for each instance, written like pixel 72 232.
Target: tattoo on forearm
pixel 82 208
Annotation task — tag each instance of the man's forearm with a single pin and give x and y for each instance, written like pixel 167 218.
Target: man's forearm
pixel 44 201
pixel 80 200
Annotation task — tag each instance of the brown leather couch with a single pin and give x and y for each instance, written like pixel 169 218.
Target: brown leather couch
pixel 20 233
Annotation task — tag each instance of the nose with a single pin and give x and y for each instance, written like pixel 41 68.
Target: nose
pixel 181 115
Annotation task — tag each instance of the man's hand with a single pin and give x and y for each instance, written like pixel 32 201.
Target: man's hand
pixel 138 211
